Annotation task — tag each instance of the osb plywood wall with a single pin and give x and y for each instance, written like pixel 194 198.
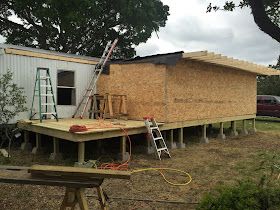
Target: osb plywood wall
pixel 144 85
pixel 197 90
pixel 188 91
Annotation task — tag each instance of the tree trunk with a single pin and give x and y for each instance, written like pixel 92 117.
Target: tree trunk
pixel 263 21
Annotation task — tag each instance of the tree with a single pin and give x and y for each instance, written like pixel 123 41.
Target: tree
pixel 12 102
pixel 266 14
pixel 81 26
pixel 269 85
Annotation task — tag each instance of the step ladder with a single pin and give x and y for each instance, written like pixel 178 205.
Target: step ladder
pixel 43 91
pixel 155 135
pixel 81 108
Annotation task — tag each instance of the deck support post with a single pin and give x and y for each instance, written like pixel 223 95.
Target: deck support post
pixel 170 139
pixel 254 130
pixel 81 152
pixel 233 131
pixel 244 129
pixel 55 155
pixel 38 148
pixel 26 145
pixel 181 143
pixel 204 138
pixel 150 148
pixel 221 134
pixel 124 153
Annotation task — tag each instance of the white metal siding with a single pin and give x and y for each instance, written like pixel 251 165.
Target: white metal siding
pixel 24 69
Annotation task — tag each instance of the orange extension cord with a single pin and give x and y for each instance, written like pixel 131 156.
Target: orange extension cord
pixel 124 166
pixel 112 166
pixel 119 166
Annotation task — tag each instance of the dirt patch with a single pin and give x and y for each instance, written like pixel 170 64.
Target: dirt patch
pixel 209 164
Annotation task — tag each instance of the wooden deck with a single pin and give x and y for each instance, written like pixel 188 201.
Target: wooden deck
pixel 97 129
pixel 105 129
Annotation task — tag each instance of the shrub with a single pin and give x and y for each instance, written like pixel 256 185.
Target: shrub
pixel 249 194
pixel 12 102
pixel 244 195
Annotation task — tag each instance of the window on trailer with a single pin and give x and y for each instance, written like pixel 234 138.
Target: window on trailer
pixel 66 90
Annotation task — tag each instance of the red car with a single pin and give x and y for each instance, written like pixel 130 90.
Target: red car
pixel 268 105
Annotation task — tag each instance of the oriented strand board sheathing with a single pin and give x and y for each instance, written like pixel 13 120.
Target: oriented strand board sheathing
pixel 196 90
pixel 188 91
pixel 142 83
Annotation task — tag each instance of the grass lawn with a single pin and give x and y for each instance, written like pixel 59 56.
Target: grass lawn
pixel 219 162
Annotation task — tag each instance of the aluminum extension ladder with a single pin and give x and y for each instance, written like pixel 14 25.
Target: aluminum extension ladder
pixel 155 135
pixel 81 108
pixel 44 91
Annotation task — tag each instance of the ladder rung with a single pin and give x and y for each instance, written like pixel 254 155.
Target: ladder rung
pixel 46 86
pixel 42 77
pixel 44 94
pixel 160 149
pixel 153 128
pixel 48 113
pixel 47 104
pixel 158 138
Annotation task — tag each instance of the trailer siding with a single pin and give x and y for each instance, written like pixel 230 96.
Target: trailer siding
pixel 24 69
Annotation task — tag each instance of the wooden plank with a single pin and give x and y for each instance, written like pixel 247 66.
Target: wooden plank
pixel 233 63
pixel 20 175
pixel 81 152
pixel 110 106
pixel 77 172
pixel 195 54
pixel 48 56
pixel 183 124
pixel 217 59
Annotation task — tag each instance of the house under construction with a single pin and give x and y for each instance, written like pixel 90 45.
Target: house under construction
pixel 179 89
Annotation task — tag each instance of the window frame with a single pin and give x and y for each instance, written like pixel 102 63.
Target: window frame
pixel 67 87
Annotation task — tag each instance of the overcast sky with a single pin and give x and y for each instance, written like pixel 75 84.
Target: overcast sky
pixel 190 28
pixel 234 34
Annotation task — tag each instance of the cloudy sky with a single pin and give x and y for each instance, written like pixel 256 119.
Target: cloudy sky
pixel 190 28
pixel 234 34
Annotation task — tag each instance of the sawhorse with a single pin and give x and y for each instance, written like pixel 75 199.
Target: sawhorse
pixel 75 180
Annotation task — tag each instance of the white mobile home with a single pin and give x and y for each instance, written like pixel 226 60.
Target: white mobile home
pixel 70 74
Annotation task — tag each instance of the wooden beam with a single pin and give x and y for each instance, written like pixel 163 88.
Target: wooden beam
pixel 195 54
pixel 221 132
pixel 38 147
pixel 77 172
pixel 225 61
pixel 204 138
pixel 81 152
pixel 244 129
pixel 174 125
pixel 101 198
pixel 181 143
pixel 254 129
pixel 55 154
pixel 26 145
pixel 170 139
pixel 74 196
pixel 124 154
pixel 48 56
pixel 233 131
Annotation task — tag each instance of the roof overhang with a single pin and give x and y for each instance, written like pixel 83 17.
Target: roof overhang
pixel 46 54
pixel 220 60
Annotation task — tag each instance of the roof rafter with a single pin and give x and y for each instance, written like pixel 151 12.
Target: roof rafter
pixel 218 59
